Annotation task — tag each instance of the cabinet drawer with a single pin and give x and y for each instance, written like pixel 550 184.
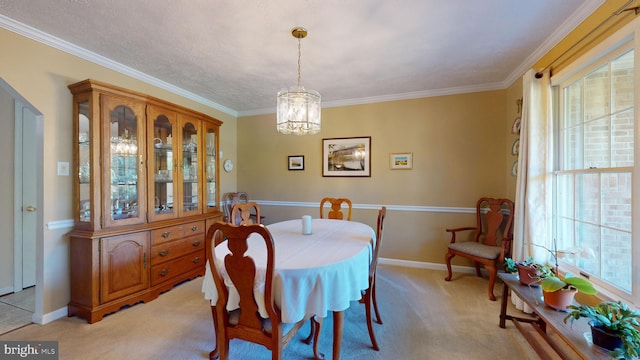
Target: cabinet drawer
pixel 174 249
pixel 168 233
pixel 177 267
pixel 194 228
pixel 175 232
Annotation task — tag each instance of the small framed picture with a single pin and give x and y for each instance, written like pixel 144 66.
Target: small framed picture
pixel 296 162
pixel 401 161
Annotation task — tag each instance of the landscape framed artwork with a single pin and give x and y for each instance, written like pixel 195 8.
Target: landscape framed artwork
pixel 296 162
pixel 346 156
pixel 401 161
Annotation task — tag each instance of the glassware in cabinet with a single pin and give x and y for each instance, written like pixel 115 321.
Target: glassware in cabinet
pixel 124 158
pixel 83 163
pixel 210 171
pixel 162 164
pixel 190 189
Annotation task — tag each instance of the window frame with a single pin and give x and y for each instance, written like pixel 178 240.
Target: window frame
pixel 624 40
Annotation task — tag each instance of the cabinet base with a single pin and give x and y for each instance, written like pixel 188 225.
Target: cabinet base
pixel 95 314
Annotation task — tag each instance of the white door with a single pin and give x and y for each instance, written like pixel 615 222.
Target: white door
pixel 26 175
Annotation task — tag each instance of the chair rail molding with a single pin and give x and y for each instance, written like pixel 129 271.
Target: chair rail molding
pixel 413 208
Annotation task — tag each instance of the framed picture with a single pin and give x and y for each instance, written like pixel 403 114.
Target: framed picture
pixel 346 156
pixel 401 161
pixel 296 162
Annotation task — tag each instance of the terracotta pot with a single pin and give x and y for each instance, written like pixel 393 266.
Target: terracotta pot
pixel 604 338
pixel 527 275
pixel 559 299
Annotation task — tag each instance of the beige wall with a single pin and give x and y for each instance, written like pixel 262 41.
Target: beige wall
pixel 462 151
pixel 41 75
pixel 461 146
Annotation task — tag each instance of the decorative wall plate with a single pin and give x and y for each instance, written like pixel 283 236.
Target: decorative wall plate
pixel 515 128
pixel 515 147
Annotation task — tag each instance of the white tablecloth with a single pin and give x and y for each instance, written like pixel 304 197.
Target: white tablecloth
pixel 314 273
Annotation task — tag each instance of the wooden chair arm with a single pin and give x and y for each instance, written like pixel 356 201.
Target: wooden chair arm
pixel 454 231
pixel 506 247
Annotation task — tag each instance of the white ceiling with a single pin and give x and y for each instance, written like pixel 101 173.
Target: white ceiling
pixel 236 55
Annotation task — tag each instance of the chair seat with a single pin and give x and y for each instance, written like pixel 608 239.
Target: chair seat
pixel 477 249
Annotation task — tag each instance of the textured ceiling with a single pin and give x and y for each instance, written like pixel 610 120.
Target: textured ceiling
pixel 236 55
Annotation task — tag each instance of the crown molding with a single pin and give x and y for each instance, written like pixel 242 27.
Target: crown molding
pixel 65 46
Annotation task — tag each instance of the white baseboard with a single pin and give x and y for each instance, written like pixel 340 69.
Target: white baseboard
pixel 425 265
pixel 62 312
pixel 6 290
pixel 49 317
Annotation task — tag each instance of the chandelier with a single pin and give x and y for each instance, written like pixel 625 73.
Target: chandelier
pixel 298 109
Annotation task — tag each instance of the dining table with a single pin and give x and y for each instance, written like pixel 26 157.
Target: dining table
pixel 314 274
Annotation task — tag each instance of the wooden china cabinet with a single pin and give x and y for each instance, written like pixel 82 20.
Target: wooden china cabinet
pixel 145 191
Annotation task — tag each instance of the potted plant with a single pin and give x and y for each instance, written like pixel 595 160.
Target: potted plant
pixel 614 327
pixel 558 293
pixel 529 272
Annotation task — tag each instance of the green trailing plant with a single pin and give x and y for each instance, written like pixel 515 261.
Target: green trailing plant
pixel 511 266
pixel 616 318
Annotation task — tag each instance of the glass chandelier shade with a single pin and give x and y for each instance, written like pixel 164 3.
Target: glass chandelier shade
pixel 298 109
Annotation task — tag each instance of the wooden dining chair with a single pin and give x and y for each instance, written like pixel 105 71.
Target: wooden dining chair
pixel 336 208
pixel 369 297
pixel 491 241
pixel 245 323
pixel 231 198
pixel 244 214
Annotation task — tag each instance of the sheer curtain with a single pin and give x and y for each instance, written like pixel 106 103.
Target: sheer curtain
pixel 535 165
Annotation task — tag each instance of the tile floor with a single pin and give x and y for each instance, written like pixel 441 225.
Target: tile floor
pixel 16 309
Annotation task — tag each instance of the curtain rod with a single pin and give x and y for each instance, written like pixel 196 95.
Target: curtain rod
pixel 622 9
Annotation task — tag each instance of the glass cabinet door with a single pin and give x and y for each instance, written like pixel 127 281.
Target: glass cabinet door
pixel 191 144
pixel 210 173
pixel 123 161
pixel 83 153
pixel 161 166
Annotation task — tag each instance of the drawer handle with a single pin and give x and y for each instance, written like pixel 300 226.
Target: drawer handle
pixel 196 243
pixel 166 234
pixel 164 272
pixel 196 260
pixel 164 252
pixel 194 228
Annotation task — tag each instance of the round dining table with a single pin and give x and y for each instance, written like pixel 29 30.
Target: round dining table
pixel 314 274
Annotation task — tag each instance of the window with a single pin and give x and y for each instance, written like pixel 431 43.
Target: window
pixel 594 173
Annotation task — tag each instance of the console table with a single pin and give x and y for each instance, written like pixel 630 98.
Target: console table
pixel 544 317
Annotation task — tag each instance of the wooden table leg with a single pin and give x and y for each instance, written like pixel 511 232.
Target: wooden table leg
pixel 338 323
pixel 503 306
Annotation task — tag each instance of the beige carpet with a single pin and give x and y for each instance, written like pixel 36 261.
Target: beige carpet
pixel 424 317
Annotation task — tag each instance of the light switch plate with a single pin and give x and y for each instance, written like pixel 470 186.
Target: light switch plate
pixel 63 168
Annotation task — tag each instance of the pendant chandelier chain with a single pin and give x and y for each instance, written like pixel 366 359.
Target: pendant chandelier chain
pixel 299 56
